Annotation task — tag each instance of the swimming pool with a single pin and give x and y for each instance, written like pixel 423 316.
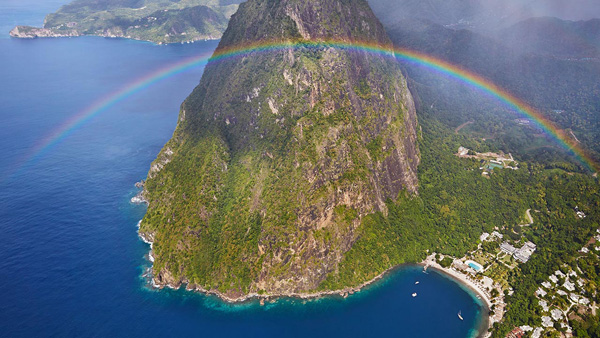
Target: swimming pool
pixel 476 266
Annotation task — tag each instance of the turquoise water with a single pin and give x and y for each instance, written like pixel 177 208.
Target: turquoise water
pixel 474 266
pixel 71 263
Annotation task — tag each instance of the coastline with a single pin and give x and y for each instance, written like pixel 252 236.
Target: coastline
pixel 429 262
pixel 485 323
pixel 37 32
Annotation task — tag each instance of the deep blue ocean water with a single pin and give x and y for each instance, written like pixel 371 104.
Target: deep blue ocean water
pixel 71 263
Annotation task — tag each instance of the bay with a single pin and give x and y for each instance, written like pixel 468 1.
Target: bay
pixel 71 263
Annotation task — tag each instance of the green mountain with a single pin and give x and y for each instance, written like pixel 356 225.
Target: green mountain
pixel 159 21
pixel 280 158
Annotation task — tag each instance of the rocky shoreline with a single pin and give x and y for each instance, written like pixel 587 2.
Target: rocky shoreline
pixel 262 298
pixel 149 239
pixel 28 32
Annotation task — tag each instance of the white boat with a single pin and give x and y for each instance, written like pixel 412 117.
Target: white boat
pixel 414 294
pixel 459 316
pixel 417 282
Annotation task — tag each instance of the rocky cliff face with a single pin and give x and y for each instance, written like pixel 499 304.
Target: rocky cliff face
pixel 278 156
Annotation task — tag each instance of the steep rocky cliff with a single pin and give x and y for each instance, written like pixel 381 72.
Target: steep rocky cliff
pixel 278 156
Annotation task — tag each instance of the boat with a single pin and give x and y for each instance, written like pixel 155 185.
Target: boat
pixel 417 282
pixel 459 316
pixel 414 294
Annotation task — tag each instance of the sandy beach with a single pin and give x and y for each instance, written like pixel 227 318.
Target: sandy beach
pixel 430 262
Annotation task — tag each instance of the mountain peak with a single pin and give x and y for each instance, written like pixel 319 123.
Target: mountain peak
pixel 282 20
pixel 279 156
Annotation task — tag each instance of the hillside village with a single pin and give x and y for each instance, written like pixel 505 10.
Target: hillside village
pixel 565 296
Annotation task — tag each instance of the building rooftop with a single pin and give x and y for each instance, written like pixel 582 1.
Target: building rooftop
pixel 556 314
pixel 484 236
pixel 537 332
pixel 540 292
pixel 547 321
pixel 569 285
pixel 508 248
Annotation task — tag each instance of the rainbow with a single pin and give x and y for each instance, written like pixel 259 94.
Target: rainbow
pixel 440 66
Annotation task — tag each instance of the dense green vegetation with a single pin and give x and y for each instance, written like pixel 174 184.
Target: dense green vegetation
pixel 564 89
pixel 456 204
pixel 278 156
pixel 160 21
pixel 258 160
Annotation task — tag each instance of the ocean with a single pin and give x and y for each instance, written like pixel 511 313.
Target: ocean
pixel 71 263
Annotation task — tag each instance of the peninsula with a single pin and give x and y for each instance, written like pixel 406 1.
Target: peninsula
pixel 158 21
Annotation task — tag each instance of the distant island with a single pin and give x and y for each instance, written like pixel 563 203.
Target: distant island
pixel 158 21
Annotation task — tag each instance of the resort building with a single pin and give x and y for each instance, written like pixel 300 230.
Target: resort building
pixel 556 314
pixel 553 279
pixel 544 305
pixel 497 234
pixel 517 332
pixel 522 254
pixel 537 333
pixel 574 297
pixel 509 249
pixel 484 236
pixel 547 285
pixel 569 285
pixel 547 321
pixel 525 252
pixel 540 292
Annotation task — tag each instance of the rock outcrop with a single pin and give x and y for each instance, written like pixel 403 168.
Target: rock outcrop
pixel 278 156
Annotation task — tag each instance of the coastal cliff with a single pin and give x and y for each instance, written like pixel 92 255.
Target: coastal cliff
pixel 280 157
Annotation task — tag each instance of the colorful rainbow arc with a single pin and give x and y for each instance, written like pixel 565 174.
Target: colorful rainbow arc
pixel 432 63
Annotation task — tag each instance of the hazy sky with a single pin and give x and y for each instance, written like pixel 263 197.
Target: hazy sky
pixel 564 9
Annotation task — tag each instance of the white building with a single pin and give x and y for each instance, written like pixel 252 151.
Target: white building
pixel 540 292
pixel 553 279
pixel 556 314
pixel 544 305
pixel 574 297
pixel 569 285
pixel 506 247
pixel 526 328
pixel 562 293
pixel 537 333
pixel 547 285
pixel 484 236
pixel 547 321
pixel 559 273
